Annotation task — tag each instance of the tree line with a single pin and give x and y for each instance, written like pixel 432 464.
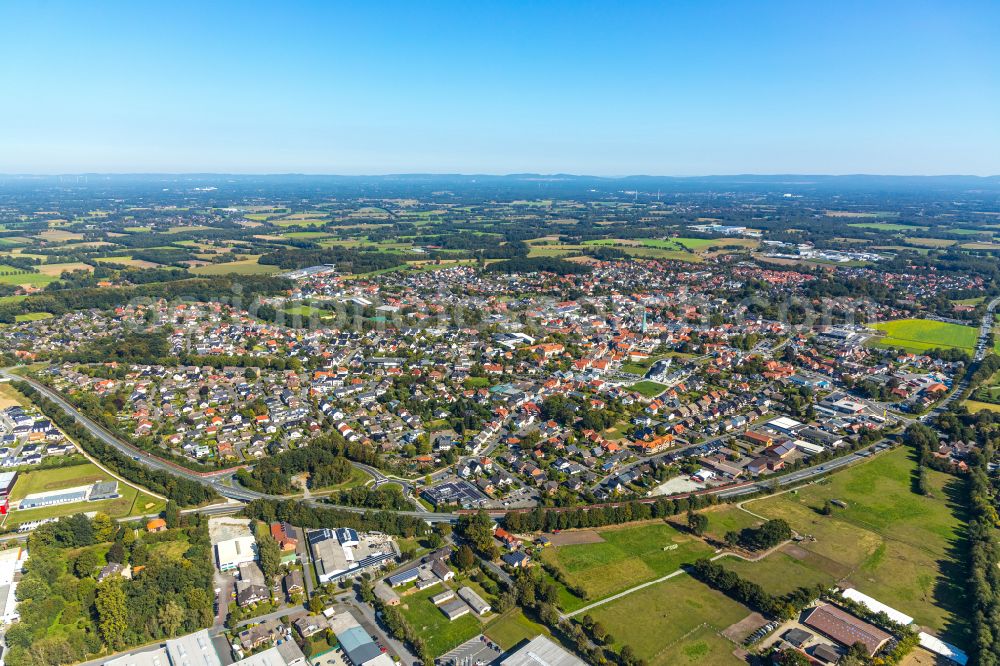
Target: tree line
pixel 313 517
pixel 547 520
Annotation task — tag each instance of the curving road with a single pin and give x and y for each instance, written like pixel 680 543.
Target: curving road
pixel 221 481
pixel 224 484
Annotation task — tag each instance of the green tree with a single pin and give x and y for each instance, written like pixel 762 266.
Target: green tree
pixel 269 553
pixel 465 559
pixel 697 522
pixel 171 617
pixel 104 527
pixel 172 514
pixel 85 564
pixel 112 612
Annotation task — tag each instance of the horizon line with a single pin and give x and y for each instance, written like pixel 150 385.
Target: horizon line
pixel 560 174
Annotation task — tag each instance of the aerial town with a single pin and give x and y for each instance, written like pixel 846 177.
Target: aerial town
pixel 419 430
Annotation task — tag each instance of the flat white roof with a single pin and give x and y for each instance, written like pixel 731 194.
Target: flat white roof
pixel 785 423
pixel 541 651
pixel 193 650
pixel 938 646
pixel 876 606
pixel 157 657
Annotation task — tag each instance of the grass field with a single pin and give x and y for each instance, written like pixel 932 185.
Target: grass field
pixel 130 502
pixel 626 557
pixel 780 573
pixel 427 619
pixel 919 335
pixel 33 316
pixel 674 622
pixel 241 267
pixel 725 518
pixel 512 628
pixel 976 406
pixel 10 396
pixel 55 479
pixel 891 543
pixel 648 388
pixel 305 311
pixel 9 275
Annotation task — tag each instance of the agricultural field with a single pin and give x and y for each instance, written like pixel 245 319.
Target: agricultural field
pixel 241 267
pixel 919 335
pixel 127 261
pixel 618 558
pixel 890 542
pixel 14 276
pixel 55 270
pixel 674 622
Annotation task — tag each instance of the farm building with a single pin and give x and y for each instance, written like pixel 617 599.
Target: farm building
pixel 846 629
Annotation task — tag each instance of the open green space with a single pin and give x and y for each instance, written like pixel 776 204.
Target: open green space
pixel 625 557
pixel 900 547
pixel 509 630
pixel 704 646
pixel 33 316
pixel 977 406
pixel 919 335
pixel 725 518
pixel 780 573
pixel 676 621
pixel 428 621
pixel 649 389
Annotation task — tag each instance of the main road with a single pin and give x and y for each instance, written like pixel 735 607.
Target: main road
pixel 222 481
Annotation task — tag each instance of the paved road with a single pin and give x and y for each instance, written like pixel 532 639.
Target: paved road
pixel 222 482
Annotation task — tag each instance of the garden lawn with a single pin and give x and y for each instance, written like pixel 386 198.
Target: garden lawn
pixel 919 335
pixel 626 557
pixel 649 389
pixel 673 622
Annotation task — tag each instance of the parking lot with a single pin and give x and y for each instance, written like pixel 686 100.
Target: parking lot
pixel 476 651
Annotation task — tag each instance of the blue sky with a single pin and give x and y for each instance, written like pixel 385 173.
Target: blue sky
pixel 666 88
